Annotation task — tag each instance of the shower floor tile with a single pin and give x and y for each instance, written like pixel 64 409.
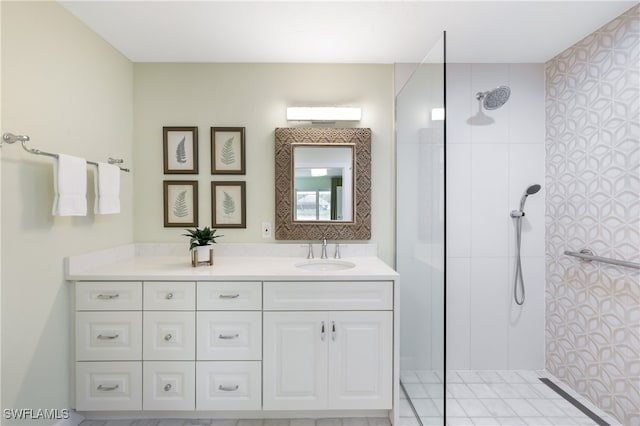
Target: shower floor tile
pixel 501 397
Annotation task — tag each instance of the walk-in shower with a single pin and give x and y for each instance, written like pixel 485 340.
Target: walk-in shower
pixel 518 280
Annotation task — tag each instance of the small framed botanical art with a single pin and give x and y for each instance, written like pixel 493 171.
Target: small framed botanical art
pixel 227 151
pixel 180 150
pixel 180 203
pixel 229 204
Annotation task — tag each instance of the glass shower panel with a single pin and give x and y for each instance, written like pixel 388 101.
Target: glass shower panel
pixel 420 230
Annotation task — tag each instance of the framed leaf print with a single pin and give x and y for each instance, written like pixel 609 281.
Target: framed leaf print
pixel 228 204
pixel 180 150
pixel 180 203
pixel 227 151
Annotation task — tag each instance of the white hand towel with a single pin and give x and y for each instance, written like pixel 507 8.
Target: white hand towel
pixel 70 186
pixel 107 183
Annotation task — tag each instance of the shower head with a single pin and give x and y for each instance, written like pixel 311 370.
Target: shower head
pixel 494 99
pixel 532 189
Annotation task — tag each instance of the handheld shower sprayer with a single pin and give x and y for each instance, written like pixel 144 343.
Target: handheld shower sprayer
pixel 518 283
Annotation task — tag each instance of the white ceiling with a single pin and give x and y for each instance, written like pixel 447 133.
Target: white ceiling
pixel 354 31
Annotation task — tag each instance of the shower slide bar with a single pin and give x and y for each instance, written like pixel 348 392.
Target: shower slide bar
pixel 587 255
pixel 11 138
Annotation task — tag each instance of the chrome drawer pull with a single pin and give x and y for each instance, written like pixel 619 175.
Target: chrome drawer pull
pixel 229 388
pixel 169 296
pixel 107 388
pixel 229 296
pixel 168 337
pixel 105 337
pixel 108 296
pixel 228 336
pixel 167 387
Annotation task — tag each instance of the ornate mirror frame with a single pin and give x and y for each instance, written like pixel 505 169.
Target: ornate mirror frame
pixel 286 227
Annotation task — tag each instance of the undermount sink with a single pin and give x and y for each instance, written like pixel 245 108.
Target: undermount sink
pixel 325 265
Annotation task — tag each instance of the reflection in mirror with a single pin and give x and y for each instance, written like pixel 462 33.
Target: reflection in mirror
pixel 323 183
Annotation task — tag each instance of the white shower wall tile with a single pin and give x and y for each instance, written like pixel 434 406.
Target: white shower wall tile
pixel 489 199
pixel 488 332
pixel 458 308
pixel 526 322
pixel 526 104
pixel 460 101
pixel 525 169
pixel 458 200
pixel 593 200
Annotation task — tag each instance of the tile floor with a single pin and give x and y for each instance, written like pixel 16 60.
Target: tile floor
pixel 253 422
pixel 514 398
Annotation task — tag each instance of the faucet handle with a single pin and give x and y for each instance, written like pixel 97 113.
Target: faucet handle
pixel 310 253
pixel 337 255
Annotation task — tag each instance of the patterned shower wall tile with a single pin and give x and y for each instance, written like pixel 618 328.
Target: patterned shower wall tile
pixel 593 200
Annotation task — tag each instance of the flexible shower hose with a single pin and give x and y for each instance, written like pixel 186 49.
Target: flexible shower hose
pixel 518 275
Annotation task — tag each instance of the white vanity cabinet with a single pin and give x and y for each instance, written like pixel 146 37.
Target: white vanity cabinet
pixel 338 358
pixel 272 345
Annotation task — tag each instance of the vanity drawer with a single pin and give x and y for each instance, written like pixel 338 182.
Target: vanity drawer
pixel 233 385
pixel 169 296
pixel 229 336
pixel 169 385
pixel 230 296
pixel 108 296
pixel 328 295
pixel 103 386
pixel 104 336
pixel 169 335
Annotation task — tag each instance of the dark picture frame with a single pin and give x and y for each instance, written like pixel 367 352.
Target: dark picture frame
pixel 180 203
pixel 228 151
pixel 225 211
pixel 180 150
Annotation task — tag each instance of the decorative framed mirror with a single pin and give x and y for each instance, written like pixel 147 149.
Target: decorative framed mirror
pixel 323 183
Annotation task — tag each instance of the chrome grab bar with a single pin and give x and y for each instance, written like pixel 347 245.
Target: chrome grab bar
pixel 587 255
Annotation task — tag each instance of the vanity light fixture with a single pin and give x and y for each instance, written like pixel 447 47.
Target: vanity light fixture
pixel 437 114
pixel 324 113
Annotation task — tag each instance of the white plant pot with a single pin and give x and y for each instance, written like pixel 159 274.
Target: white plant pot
pixel 202 254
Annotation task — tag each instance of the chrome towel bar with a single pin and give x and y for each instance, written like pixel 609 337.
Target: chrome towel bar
pixel 587 255
pixel 11 138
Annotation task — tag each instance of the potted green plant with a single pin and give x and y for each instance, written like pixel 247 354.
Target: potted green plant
pixel 199 242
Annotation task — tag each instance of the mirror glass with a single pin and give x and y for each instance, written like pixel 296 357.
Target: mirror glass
pixel 323 183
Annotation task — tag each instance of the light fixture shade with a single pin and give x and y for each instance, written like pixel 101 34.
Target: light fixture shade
pixel 324 113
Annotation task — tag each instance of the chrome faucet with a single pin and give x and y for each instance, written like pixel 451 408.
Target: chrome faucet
pixel 337 255
pixel 324 249
pixel 310 253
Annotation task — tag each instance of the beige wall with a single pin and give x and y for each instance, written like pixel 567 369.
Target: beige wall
pixel 73 93
pixel 253 96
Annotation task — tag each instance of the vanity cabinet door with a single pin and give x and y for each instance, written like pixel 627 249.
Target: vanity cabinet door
pixel 169 335
pixel 108 336
pixel 169 296
pixel 360 360
pixel 229 336
pixel 109 296
pixel 295 360
pixel 104 386
pixel 169 385
pixel 228 385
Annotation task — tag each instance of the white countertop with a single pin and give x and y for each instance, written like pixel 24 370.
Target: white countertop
pixel 139 262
